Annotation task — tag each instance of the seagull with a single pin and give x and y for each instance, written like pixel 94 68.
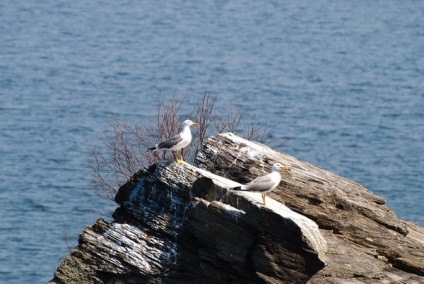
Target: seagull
pixel 266 183
pixel 177 142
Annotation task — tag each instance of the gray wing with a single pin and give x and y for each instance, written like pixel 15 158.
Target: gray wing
pixel 260 184
pixel 174 140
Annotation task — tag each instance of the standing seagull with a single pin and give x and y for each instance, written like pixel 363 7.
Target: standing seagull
pixel 266 183
pixel 177 142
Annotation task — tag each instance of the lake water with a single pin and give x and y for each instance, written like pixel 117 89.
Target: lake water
pixel 343 80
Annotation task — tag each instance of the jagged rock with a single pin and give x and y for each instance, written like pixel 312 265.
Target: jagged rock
pixel 162 233
pixel 366 241
pixel 181 224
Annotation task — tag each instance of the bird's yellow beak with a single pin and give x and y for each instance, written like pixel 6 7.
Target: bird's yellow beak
pixel 285 169
pixel 195 124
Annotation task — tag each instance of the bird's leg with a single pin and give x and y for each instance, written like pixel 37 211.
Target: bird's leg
pixel 182 153
pixel 179 159
pixel 175 154
pixel 263 199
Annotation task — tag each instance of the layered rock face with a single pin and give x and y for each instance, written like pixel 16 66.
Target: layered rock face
pixel 182 224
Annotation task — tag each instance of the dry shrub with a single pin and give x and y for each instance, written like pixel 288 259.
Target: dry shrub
pixel 125 146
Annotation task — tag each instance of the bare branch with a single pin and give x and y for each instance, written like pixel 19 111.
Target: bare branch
pixel 125 146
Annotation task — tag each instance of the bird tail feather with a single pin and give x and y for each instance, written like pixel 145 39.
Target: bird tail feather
pixel 236 188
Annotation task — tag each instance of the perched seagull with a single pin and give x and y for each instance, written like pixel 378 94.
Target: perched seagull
pixel 266 183
pixel 177 142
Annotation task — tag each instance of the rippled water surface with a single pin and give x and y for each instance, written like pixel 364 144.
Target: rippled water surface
pixel 343 80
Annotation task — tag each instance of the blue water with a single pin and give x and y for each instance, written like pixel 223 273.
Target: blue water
pixel 343 80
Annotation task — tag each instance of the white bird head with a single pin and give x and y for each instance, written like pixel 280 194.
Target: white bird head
pixel 188 122
pixel 277 167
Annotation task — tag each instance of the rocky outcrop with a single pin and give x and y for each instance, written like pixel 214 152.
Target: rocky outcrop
pixel 182 224
pixel 367 243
